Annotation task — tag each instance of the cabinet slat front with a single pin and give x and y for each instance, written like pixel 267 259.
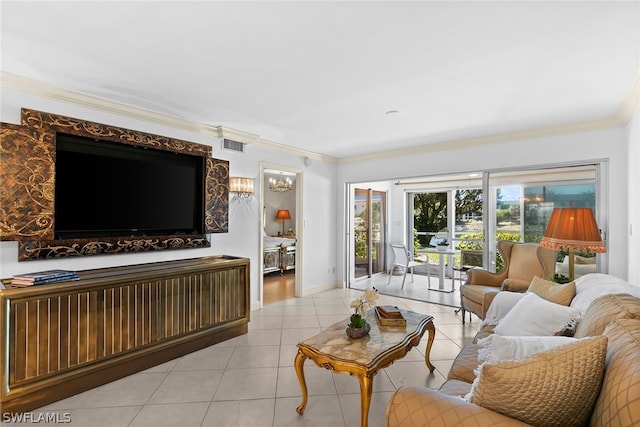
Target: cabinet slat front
pixel 55 331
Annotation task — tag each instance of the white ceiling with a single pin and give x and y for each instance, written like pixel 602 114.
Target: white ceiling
pixel 320 76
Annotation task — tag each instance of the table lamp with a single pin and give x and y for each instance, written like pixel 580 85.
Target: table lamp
pixel 572 229
pixel 283 215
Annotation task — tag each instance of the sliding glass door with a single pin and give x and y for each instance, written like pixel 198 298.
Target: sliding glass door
pixel 369 227
pixel 475 211
pixel 522 202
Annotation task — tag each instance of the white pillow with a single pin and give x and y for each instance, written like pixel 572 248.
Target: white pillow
pixel 533 315
pixel 592 286
pixel 502 303
pixel 496 348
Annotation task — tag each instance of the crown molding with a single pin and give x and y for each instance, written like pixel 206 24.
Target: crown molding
pixel 37 88
pixel 236 135
pixel 630 101
pixel 460 144
pixel 25 85
pixel 276 146
pixel 46 90
pixel 620 118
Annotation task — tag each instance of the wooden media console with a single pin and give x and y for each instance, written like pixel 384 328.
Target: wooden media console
pixel 64 338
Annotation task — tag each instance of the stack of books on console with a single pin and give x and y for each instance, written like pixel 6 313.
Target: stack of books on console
pixel 42 277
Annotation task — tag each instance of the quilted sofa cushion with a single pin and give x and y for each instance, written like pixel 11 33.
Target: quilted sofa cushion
pixel 618 403
pixel 561 385
pixel 604 310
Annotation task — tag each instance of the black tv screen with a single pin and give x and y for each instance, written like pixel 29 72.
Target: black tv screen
pixel 107 189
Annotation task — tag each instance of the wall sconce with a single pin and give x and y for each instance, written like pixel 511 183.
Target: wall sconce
pixel 243 187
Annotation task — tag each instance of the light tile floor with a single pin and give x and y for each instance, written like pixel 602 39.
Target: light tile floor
pixel 250 380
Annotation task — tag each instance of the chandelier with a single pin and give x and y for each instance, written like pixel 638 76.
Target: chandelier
pixel 280 185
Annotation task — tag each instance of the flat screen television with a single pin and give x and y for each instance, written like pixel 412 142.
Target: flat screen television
pixel 107 189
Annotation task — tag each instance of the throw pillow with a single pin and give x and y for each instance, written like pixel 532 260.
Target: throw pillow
pixel 592 286
pixel 533 315
pixel 496 348
pixel 503 302
pixel 554 292
pixel 555 388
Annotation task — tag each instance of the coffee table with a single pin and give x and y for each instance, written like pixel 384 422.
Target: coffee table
pixel 363 357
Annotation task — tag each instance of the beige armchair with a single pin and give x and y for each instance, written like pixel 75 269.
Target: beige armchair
pixel 522 261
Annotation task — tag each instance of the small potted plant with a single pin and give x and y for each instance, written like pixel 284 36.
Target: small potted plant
pixel 443 245
pixel 358 326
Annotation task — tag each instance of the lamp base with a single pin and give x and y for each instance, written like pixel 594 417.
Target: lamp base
pixel 572 262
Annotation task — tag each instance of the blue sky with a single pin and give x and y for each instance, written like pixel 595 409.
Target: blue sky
pixel 510 194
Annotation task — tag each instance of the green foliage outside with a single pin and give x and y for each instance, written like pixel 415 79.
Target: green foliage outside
pixel 468 243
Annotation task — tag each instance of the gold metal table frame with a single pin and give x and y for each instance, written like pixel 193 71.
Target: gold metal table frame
pixel 364 357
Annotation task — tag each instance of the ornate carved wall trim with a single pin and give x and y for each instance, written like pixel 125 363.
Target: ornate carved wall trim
pixel 28 251
pixel 72 126
pixel 27 161
pixel 216 210
pixel 27 170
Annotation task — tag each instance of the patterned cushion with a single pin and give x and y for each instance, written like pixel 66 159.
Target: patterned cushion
pixel 554 292
pixel 604 310
pixel 419 407
pixel 619 401
pixel 464 365
pixel 455 388
pixel 555 388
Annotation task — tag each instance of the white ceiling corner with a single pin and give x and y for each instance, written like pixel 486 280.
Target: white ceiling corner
pixel 316 78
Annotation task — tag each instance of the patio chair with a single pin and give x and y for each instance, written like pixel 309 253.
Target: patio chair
pixel 404 260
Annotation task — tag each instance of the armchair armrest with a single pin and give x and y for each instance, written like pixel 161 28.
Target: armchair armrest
pixel 419 406
pixel 515 285
pixel 479 276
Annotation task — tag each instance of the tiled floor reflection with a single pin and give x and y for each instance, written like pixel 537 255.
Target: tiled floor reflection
pixel 250 380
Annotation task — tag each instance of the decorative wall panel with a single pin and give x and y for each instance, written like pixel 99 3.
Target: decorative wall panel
pixel 72 126
pixel 51 249
pixel 27 169
pixel 216 218
pixel 27 159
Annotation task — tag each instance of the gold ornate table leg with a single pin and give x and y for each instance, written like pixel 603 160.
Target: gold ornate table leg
pixel 432 334
pixel 299 365
pixel 366 387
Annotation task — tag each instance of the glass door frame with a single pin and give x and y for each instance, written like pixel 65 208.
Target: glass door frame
pixel 489 213
pixel 351 233
pixel 374 264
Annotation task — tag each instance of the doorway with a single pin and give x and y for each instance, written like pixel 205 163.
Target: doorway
pixel 280 233
pixel 369 231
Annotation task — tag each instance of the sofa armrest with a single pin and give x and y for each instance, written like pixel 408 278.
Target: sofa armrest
pixel 420 406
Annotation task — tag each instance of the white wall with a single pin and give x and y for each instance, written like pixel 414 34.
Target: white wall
pixel 608 144
pixel 633 195
pixel 243 238
pixel 324 193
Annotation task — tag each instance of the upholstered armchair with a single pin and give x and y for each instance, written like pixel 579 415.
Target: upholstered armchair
pixel 522 261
